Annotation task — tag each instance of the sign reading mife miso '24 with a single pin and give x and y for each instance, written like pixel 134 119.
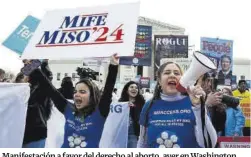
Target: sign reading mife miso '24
pixel 85 32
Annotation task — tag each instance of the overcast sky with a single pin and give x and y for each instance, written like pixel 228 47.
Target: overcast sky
pixel 226 19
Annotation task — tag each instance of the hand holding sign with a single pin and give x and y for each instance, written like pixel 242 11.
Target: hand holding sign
pixel 114 59
pixel 29 66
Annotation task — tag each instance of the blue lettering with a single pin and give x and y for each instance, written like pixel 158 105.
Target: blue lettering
pixel 86 36
pixel 68 22
pixel 101 19
pixel 71 37
pixel 62 37
pixel 47 38
pixel 82 23
pixel 116 108
pixel 90 20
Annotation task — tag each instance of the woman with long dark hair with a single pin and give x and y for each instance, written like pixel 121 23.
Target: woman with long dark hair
pixel 172 119
pixel 131 93
pixel 39 108
pixel 86 116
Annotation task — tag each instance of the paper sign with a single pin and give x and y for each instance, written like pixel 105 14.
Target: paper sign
pixel 85 32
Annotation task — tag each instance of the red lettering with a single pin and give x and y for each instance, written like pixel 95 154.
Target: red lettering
pixel 103 35
pixel 212 46
pixel 118 33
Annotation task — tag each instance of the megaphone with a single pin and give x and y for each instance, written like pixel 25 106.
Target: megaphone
pixel 200 65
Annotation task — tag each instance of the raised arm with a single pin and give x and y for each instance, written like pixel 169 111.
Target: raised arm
pixel 59 101
pixel 106 98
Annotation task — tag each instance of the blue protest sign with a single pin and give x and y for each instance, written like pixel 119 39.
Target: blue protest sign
pixel 143 48
pixel 19 39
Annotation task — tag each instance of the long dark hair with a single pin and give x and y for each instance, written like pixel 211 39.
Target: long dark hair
pixel 139 103
pixel 94 97
pixel 157 90
pixel 139 99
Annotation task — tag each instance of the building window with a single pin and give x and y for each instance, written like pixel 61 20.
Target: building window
pixel 58 76
pixel 66 75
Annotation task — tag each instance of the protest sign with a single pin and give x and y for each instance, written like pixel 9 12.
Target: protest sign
pixel 85 32
pixel 115 132
pixel 143 48
pixel 14 101
pixel 145 82
pixel 221 52
pixel 169 46
pixel 19 39
pixel 234 142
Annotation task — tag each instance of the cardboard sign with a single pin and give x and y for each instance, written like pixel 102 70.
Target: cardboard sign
pixel 85 32
pixel 19 39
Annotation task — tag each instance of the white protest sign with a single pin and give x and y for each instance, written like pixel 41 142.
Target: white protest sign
pixel 184 63
pixel 13 107
pixel 115 132
pixel 85 32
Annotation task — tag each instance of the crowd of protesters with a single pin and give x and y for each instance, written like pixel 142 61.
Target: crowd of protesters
pixel 155 119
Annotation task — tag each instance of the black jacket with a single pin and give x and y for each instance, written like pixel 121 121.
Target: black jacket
pixel 39 109
pixel 218 118
pixel 222 79
pixel 135 114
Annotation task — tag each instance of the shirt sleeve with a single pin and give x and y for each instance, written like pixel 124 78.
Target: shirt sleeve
pixel 208 128
pixel 58 99
pixel 106 98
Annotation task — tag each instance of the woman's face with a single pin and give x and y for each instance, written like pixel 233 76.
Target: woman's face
pixel 133 90
pixel 169 79
pixel 81 95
